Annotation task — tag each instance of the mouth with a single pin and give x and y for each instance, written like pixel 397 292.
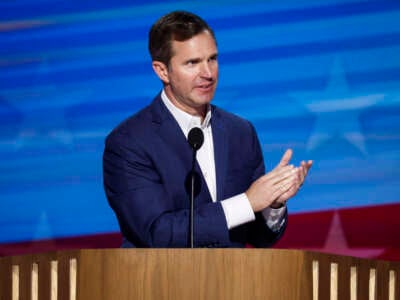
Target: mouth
pixel 205 87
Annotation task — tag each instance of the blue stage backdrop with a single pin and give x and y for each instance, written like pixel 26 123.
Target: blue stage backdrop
pixel 320 77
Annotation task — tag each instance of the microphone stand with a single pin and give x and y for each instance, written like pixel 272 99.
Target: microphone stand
pixel 195 139
pixel 191 216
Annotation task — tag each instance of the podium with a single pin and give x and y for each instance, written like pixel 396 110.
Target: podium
pixel 196 274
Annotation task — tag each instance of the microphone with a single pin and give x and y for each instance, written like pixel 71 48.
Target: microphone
pixel 195 139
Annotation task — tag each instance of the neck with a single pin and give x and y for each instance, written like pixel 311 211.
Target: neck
pixel 198 111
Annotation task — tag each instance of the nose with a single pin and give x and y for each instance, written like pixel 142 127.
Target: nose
pixel 206 70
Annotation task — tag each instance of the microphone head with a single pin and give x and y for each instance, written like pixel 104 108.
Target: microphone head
pixel 195 138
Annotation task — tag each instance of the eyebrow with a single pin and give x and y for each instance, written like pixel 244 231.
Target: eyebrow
pixel 198 59
pixel 214 55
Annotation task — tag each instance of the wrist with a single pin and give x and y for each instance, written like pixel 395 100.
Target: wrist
pixel 277 205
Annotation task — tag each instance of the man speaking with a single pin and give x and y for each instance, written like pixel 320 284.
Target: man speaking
pixel 147 158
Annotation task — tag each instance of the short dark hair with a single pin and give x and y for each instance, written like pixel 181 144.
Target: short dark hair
pixel 175 26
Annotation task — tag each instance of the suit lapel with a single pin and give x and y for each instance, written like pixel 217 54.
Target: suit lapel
pixel 170 132
pixel 220 151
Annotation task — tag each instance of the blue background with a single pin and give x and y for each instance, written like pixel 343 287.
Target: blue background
pixel 320 77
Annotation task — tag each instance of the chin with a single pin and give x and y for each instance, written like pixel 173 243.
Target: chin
pixel 206 98
pixel 204 101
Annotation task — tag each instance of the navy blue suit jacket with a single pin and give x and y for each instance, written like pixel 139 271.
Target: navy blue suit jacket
pixel 145 163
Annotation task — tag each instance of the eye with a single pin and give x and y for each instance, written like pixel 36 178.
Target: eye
pixel 192 62
pixel 213 58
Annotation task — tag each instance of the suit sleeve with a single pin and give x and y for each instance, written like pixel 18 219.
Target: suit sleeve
pixel 259 234
pixel 146 214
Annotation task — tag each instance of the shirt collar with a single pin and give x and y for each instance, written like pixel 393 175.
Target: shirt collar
pixel 186 121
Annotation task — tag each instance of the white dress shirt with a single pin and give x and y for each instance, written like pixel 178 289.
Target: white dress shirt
pixel 237 209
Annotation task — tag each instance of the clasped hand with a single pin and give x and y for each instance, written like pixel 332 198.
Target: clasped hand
pixel 276 187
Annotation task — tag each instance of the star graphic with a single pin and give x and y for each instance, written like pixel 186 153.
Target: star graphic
pixel 336 242
pixel 337 110
pixel 42 229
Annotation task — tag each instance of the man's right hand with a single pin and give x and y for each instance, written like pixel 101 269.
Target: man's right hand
pixel 267 189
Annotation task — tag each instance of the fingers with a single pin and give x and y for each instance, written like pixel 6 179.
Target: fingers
pixel 269 187
pixel 303 170
pixel 278 185
pixel 285 184
pixel 283 171
pixel 291 174
pixel 278 173
pixel 287 156
pixel 285 190
pixel 306 165
pixel 283 198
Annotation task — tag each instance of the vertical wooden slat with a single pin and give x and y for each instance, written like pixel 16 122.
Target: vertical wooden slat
pixel 15 282
pixel 72 278
pixel 334 282
pixel 53 280
pixel 372 284
pixel 315 279
pixel 35 282
pixel 392 284
pixel 353 283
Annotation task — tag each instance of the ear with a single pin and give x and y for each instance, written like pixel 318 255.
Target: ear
pixel 161 70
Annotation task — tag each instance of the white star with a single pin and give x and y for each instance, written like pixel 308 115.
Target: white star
pixel 336 242
pixel 337 110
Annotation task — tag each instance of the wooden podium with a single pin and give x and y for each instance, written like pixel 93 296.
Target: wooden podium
pixel 196 274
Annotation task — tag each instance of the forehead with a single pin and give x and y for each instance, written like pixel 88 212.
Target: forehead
pixel 202 44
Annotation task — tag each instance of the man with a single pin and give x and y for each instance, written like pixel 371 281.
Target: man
pixel 147 157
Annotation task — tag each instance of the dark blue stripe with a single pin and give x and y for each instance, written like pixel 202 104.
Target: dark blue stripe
pixel 323 12
pixel 77 75
pixel 312 48
pixel 264 54
pixel 106 37
pixel 278 87
pixel 315 83
pixel 12 10
pixel 97 109
pixel 360 78
pixel 63 41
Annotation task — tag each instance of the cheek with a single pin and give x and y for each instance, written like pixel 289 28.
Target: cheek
pixel 182 85
pixel 184 81
pixel 187 82
pixel 184 78
pixel 215 75
pixel 215 69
